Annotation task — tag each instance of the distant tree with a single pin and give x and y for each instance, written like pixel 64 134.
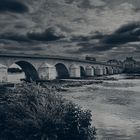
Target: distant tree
pixel 30 112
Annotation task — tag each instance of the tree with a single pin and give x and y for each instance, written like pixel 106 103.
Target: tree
pixel 30 112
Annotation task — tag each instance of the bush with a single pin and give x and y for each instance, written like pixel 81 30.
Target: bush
pixel 30 112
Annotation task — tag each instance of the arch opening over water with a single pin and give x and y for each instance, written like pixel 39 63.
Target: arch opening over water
pixel 27 68
pixel 82 72
pixel 62 71
pixel 107 70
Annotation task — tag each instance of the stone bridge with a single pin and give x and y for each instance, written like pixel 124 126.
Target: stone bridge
pixel 38 67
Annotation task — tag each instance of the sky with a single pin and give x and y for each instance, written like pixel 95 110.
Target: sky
pixel 105 29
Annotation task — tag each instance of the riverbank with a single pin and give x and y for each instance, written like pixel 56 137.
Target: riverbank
pixel 62 84
pixel 114 104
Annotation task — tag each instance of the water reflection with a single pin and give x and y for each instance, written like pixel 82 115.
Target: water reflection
pixel 15 77
pixel 15 74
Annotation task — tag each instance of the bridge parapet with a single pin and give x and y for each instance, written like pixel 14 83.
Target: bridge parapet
pixel 71 59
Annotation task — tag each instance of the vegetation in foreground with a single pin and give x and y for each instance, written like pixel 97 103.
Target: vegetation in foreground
pixel 30 112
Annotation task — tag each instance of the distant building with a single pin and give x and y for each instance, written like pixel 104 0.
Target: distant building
pixel 131 66
pixel 90 58
pixel 114 62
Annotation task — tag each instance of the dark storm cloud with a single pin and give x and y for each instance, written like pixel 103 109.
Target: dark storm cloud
pixel 49 34
pixel 24 48
pixel 12 6
pixel 85 4
pixel 69 1
pixel 20 26
pixel 128 27
pixel 14 37
pixel 124 35
pixel 88 47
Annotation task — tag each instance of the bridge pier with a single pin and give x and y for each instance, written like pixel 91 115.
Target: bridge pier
pixel 3 73
pixel 98 71
pixel 89 71
pixel 120 71
pixel 47 72
pixel 74 71
pixel 110 71
pixel 115 71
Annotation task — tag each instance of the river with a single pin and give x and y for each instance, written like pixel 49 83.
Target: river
pixel 15 77
pixel 115 107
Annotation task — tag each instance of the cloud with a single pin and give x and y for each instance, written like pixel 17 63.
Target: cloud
pixel 82 38
pixel 69 1
pixel 24 48
pixel 128 27
pixel 87 4
pixel 14 37
pixel 97 3
pixel 98 42
pixel 88 47
pixel 75 17
pixel 12 6
pixel 125 34
pixel 50 34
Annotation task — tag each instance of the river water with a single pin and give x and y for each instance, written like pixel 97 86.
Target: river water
pixel 115 107
pixel 15 77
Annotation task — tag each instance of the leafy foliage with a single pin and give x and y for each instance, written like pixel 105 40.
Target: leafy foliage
pixel 30 112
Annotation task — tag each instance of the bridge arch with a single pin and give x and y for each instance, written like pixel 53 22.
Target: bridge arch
pixel 30 71
pixel 61 71
pixel 82 72
pixel 107 70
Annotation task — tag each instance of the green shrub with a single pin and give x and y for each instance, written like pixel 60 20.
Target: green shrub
pixel 30 112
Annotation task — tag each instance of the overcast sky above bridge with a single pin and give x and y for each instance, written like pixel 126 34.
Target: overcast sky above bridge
pixel 104 29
